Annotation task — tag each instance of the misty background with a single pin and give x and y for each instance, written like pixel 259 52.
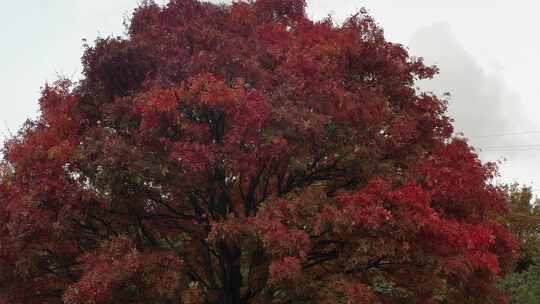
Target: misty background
pixel 486 52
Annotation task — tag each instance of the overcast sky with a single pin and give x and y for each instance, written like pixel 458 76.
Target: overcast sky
pixel 486 50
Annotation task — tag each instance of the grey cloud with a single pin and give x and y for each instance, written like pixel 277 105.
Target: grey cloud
pixel 480 103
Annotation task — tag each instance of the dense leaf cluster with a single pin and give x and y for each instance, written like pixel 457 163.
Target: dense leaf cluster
pixel 523 283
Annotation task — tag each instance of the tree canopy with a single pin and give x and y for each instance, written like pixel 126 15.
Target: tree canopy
pixel 244 153
pixel 523 284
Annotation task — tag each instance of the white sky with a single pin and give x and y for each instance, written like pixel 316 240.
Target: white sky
pixel 487 52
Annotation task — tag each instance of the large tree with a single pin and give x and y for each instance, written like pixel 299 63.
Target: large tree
pixel 244 153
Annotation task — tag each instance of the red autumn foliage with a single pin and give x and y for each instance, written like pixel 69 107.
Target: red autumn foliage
pixel 245 154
